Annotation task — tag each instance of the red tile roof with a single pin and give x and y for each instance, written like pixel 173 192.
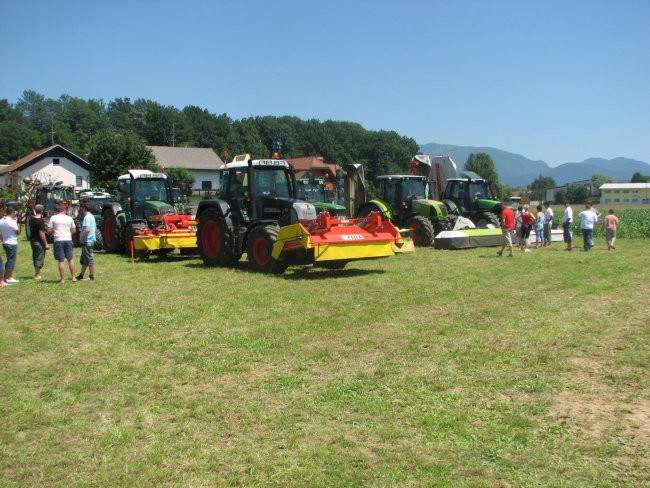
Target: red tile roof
pixel 25 159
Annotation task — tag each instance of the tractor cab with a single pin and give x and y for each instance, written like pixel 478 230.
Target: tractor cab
pixel 263 189
pixel 404 194
pixel 471 193
pixel 313 190
pixel 143 194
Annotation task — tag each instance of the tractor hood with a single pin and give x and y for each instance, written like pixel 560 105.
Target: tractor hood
pixel 489 205
pixel 429 208
pixel 154 207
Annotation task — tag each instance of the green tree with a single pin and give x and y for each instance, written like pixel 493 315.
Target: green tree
pixel 482 164
pixel 539 187
pixel 576 193
pixel 597 180
pixel 180 177
pixel 639 178
pixel 17 140
pixel 112 153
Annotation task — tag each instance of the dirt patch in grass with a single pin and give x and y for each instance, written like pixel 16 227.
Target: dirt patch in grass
pixel 601 408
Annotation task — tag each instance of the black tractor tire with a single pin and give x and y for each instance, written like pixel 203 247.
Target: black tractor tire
pixel 482 220
pixel 421 230
pixel 367 208
pixel 133 229
pixel 76 242
pixel 28 229
pixel 111 232
pixel 215 239
pixel 99 239
pixel 259 247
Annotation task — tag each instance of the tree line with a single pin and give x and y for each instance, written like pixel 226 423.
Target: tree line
pixel 112 136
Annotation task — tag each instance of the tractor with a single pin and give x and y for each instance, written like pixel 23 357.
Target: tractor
pixel 472 197
pixel 259 213
pixel 313 190
pixel 144 219
pixel 48 196
pixel 403 199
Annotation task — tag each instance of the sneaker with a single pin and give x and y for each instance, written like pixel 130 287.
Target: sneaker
pixel 80 277
pixel 499 253
pixel 91 278
pixel 11 280
pixel 527 250
pixel 511 255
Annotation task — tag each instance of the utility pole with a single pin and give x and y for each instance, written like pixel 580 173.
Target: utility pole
pixel 52 132
pixel 173 131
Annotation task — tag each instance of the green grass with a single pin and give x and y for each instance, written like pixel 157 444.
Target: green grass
pixel 439 368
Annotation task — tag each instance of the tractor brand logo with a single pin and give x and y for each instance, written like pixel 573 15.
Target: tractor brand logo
pixel 353 237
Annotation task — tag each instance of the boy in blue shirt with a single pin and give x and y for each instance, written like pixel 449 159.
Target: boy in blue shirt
pixel 87 240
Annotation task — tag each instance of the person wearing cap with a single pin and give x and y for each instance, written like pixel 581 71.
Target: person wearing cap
pixel 9 232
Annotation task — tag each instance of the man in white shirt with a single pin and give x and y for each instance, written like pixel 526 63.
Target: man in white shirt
pixel 567 222
pixel 588 219
pixel 9 232
pixel 62 227
pixel 548 224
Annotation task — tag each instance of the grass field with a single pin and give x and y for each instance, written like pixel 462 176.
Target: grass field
pixel 439 368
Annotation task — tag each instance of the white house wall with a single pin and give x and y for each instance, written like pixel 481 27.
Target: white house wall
pixel 201 175
pixel 66 171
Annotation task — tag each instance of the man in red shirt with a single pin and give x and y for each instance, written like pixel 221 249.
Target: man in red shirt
pixel 507 227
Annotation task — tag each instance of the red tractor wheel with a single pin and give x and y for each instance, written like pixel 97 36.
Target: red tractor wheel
pixel 421 230
pixel 214 238
pixel 260 245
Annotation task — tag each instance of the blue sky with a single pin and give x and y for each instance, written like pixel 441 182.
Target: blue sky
pixel 559 81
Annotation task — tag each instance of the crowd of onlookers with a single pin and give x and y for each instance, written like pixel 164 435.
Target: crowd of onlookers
pixel 518 225
pixel 61 227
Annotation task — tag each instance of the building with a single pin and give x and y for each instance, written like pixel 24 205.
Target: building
pixel 625 193
pixel 592 196
pixel 49 165
pixel 203 163
pixel 316 167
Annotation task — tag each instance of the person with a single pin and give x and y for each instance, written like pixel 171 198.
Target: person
pixel 9 232
pixel 527 223
pixel 62 227
pixel 507 228
pixel 87 240
pixel 38 240
pixel 611 225
pixel 548 224
pixel 567 222
pixel 598 215
pixel 588 219
pixel 518 213
pixel 539 228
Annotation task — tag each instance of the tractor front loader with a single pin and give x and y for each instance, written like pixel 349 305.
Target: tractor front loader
pixel 259 213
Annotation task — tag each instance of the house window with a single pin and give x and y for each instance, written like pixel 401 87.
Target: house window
pixel 617 200
pixel 206 185
pixel 80 181
pixel 626 191
pixel 56 161
pixel 617 191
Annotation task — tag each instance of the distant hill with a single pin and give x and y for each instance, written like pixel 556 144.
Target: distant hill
pixel 517 170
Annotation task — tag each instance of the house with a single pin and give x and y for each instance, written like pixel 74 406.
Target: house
pixel 49 165
pixel 203 163
pixel 630 193
pixel 316 167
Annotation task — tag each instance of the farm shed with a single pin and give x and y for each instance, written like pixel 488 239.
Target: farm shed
pixel 202 162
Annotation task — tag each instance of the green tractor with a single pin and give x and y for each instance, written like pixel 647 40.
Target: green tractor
pixel 313 190
pixel 403 199
pixel 472 197
pixel 141 195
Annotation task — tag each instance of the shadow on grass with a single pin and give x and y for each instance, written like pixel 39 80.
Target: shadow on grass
pixel 307 272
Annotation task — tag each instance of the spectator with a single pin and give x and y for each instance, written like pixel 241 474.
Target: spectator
pixel 539 228
pixel 611 225
pixel 567 222
pixel 87 240
pixel 588 219
pixel 62 227
pixel 517 236
pixel 548 224
pixel 527 223
pixel 9 232
pixel 38 240
pixel 507 228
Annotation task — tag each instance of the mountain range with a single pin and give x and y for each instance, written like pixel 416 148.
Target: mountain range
pixel 519 171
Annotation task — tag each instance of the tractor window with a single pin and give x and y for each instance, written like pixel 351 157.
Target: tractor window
pixel 458 190
pixel 414 188
pixel 477 190
pixel 388 191
pixel 272 182
pixel 155 190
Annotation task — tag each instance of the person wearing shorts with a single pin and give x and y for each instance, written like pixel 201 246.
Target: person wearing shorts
pixel 9 232
pixel 87 240
pixel 548 224
pixel 527 223
pixel 611 225
pixel 62 227
pixel 507 228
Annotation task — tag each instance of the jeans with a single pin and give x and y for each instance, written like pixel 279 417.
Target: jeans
pixel 587 238
pixel 566 228
pixel 12 253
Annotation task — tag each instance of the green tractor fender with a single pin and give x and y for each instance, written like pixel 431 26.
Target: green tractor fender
pixel 432 209
pixel 375 205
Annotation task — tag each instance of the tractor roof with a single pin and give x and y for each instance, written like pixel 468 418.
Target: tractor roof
pixel 260 163
pixel 142 174
pixel 401 177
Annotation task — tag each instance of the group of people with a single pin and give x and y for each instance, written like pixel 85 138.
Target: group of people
pixel 62 228
pixel 517 226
